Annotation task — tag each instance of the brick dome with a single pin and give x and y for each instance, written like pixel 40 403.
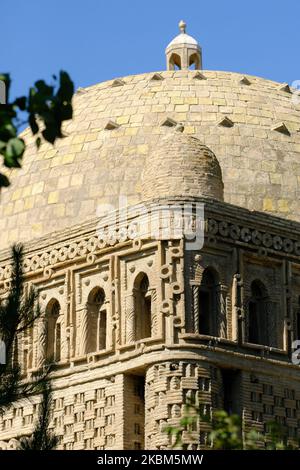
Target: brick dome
pixel 181 166
pixel 252 126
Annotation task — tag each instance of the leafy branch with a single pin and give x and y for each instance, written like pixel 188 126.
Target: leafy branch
pixel 227 432
pixel 46 107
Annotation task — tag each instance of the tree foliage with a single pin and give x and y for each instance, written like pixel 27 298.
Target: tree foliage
pixel 18 312
pixel 45 108
pixel 42 438
pixel 227 432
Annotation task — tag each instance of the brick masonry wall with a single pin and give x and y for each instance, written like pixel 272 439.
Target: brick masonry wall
pixel 85 416
pixel 92 165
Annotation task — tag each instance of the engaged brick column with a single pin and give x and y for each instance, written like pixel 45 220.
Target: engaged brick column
pixel 168 386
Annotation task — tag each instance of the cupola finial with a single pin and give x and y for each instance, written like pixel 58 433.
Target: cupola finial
pixel 182 26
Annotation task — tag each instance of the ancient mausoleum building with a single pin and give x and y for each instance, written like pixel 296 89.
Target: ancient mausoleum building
pixel 163 235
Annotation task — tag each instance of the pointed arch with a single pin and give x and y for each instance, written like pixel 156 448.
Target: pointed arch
pixel 194 61
pixel 174 61
pixel 143 307
pixel 258 312
pixel 297 318
pixel 53 331
pixel 96 321
pixel 209 302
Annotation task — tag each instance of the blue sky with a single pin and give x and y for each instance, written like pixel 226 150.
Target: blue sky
pixel 96 40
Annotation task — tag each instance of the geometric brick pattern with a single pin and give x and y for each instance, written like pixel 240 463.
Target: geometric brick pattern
pixel 92 166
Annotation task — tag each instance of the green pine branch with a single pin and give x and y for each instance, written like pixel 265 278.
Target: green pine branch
pixel 18 312
pixel 42 438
